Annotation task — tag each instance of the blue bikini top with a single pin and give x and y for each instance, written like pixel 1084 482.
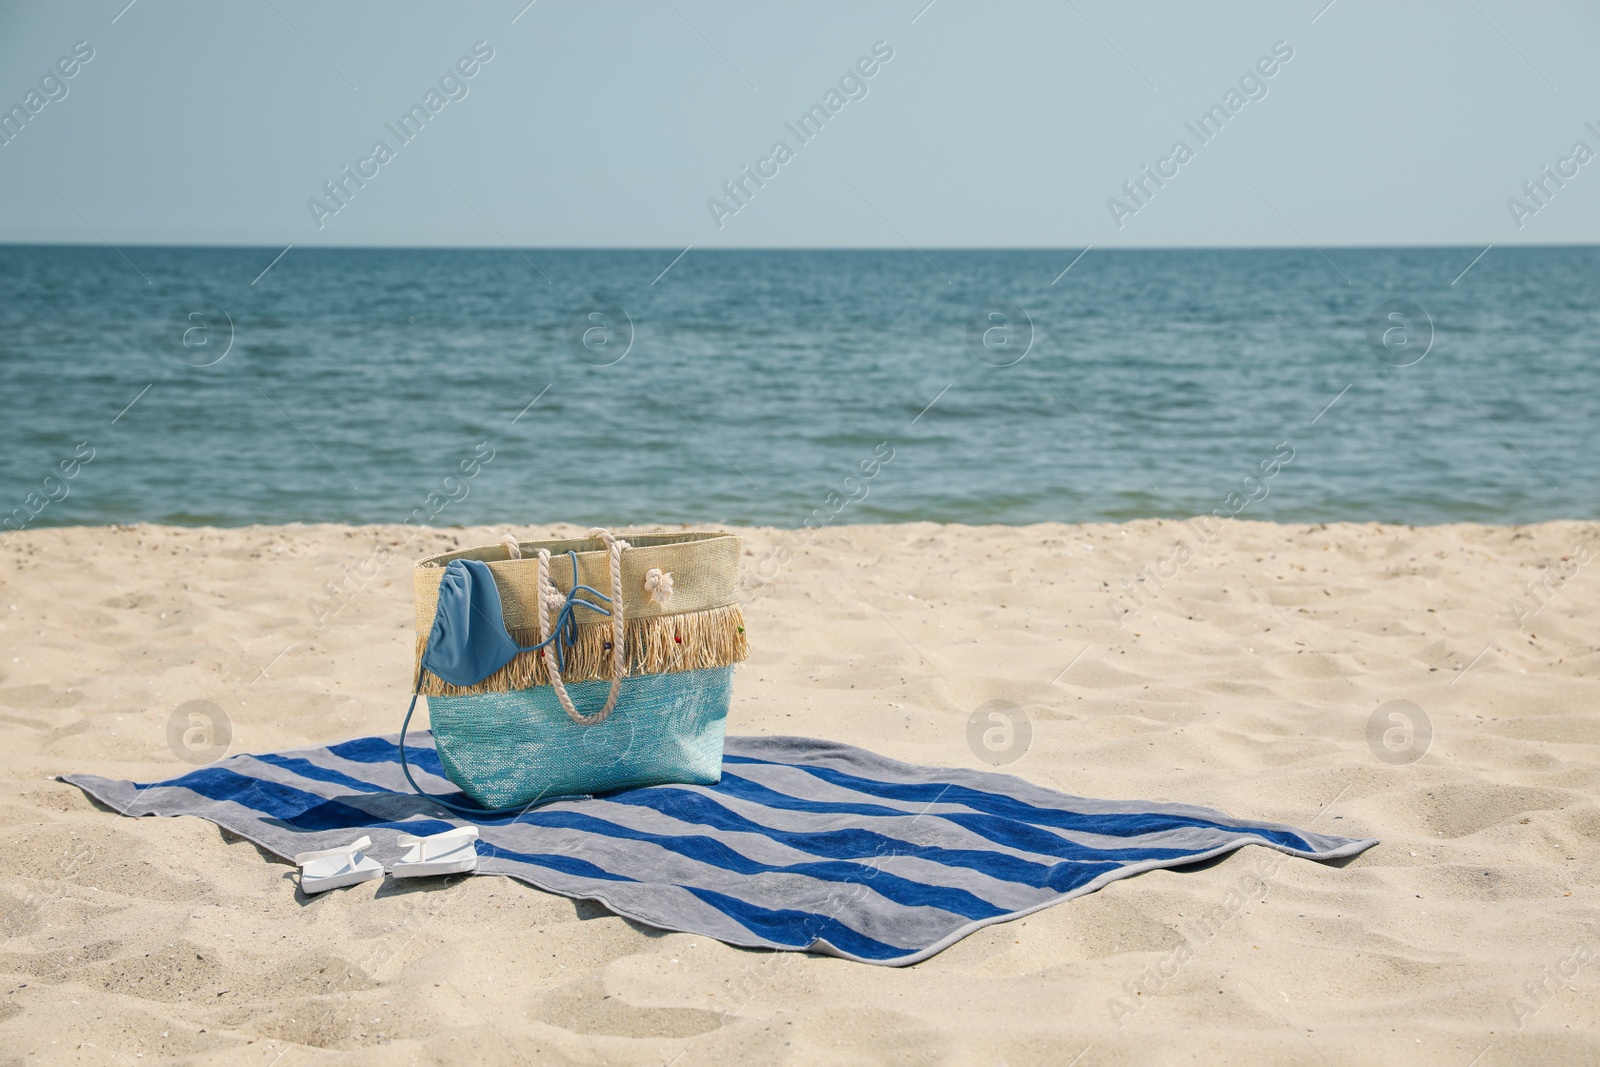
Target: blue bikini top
pixel 469 640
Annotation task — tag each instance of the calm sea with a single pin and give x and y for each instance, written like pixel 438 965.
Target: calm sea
pixel 769 387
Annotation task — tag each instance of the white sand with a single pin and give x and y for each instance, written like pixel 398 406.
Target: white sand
pixel 1246 684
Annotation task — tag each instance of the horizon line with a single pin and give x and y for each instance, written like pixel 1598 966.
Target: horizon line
pixel 794 248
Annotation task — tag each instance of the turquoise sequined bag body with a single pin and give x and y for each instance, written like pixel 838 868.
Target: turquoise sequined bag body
pixel 610 665
pixel 506 749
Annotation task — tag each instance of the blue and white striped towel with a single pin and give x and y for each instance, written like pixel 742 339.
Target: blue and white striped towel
pixel 805 845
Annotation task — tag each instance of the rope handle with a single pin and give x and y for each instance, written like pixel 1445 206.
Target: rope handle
pixel 549 596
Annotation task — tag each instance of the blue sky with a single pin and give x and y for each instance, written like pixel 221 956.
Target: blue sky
pixel 618 125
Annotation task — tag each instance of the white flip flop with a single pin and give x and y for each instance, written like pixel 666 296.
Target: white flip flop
pixel 335 868
pixel 452 852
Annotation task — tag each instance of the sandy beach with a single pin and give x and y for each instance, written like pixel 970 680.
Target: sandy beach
pixel 1243 674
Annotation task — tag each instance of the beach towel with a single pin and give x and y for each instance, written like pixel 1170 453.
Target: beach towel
pixel 804 845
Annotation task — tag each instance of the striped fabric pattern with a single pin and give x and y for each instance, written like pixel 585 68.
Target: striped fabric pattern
pixel 804 845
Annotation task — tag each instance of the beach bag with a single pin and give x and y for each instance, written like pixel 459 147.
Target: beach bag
pixel 575 667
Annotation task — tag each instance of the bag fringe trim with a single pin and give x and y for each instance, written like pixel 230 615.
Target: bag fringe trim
pixel 664 644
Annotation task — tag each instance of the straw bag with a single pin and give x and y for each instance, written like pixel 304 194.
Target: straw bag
pixel 540 685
